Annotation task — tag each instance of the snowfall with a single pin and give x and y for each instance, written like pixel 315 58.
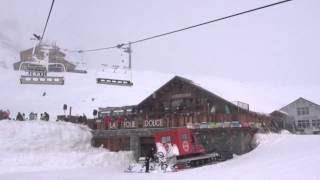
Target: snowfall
pixel 38 150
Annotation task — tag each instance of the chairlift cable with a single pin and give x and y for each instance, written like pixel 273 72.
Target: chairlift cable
pixel 185 28
pixel 45 27
pixel 209 22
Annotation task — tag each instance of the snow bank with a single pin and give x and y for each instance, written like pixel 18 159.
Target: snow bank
pixel 278 156
pixel 40 145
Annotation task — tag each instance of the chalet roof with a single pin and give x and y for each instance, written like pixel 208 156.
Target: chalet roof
pixel 190 82
pixel 279 113
pixel 300 99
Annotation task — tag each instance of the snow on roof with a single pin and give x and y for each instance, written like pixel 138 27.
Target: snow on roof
pixel 283 112
pixel 301 99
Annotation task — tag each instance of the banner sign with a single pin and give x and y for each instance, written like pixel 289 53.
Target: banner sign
pixel 153 123
pixel 129 124
pixel 113 125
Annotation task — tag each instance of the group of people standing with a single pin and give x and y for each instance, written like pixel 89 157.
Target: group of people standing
pixel 32 116
pixel 4 114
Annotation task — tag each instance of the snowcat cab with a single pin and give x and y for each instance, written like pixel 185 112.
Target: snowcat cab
pixel 192 153
pixel 186 142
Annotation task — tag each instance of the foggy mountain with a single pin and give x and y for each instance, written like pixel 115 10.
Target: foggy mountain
pixel 257 47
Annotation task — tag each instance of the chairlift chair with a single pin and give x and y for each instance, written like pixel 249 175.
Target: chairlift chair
pixel 36 71
pixel 118 82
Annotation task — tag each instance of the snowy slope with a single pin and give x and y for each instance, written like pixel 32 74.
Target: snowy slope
pixel 83 94
pixel 36 150
pixel 39 146
pixel 80 91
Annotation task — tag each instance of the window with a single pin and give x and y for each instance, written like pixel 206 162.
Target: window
pixel 165 139
pixel 316 123
pixel 165 106
pixel 302 110
pixel 184 137
pixel 181 103
pixel 176 103
pixel 303 124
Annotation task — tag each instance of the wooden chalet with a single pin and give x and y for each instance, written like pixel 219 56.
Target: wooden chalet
pixel 178 103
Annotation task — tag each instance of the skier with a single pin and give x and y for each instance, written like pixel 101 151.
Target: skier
pixel 85 119
pixel 19 117
pixel 31 116
pixel 46 116
pixel 80 119
pixel 149 157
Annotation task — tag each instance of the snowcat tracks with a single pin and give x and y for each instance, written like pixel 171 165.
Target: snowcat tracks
pixel 203 160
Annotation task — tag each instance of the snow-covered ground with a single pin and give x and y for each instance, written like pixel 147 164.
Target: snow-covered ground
pixel 39 146
pixel 57 150
pixel 37 150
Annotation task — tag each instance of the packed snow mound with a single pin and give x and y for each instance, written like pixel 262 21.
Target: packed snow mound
pixel 277 156
pixel 43 136
pixel 40 145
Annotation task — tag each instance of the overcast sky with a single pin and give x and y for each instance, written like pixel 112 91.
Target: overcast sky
pixel 278 45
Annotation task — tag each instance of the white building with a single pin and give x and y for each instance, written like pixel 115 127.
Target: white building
pixel 306 115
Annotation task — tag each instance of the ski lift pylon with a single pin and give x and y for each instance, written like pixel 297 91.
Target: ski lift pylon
pixel 119 82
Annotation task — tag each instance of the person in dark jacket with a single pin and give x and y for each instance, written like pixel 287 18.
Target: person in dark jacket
pixel 84 119
pixel 46 116
pixel 19 117
pixel 80 119
pixel 149 158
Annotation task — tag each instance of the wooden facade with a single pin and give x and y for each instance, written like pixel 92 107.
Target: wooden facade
pixel 178 103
